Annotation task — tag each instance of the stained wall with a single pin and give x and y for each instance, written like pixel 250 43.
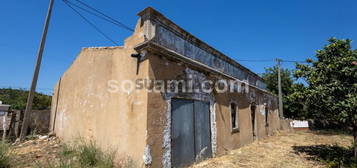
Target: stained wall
pixel 85 105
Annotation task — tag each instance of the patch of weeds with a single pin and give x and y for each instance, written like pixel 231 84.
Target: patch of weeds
pixel 127 163
pixel 88 154
pixel 83 155
pixel 6 155
pixel 67 151
pixel 62 163
pixel 333 156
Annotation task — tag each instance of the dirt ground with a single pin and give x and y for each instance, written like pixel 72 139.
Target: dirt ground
pixel 37 152
pixel 278 151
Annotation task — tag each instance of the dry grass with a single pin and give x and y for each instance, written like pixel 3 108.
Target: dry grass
pixel 51 153
pixel 35 152
pixel 278 151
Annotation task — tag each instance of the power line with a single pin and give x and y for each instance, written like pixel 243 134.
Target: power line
pixel 109 19
pixel 272 61
pixel 90 23
pixel 256 60
pixel 294 61
pixel 101 15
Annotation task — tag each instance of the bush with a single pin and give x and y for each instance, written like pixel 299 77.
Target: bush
pixel 89 155
pixel 83 155
pixel 5 155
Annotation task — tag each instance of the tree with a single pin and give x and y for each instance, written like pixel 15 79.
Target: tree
pixel 292 108
pixel 17 99
pixel 270 77
pixel 331 93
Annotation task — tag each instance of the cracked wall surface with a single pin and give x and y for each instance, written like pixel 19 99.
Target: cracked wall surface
pixel 159 111
pixel 84 108
pixel 137 124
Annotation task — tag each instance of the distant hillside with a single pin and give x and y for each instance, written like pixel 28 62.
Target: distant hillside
pixel 17 99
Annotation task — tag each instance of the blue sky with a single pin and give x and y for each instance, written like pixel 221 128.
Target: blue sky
pixel 254 30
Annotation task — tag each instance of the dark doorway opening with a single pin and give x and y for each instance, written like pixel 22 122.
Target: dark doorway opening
pixel 252 109
pixel 266 116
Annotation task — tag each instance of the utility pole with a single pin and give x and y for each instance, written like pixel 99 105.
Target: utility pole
pixel 26 119
pixel 280 94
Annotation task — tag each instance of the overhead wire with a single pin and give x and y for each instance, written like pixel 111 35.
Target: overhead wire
pixel 255 60
pixel 108 18
pixel 100 15
pixel 271 61
pixel 87 8
pixel 90 23
pixel 294 61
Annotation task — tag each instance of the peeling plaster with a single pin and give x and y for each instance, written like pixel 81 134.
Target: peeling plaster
pixel 167 37
pixel 200 154
pixel 166 159
pixel 213 127
pixel 147 155
pixel 252 96
pixel 262 110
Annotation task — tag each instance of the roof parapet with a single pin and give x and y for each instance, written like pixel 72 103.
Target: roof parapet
pixel 163 31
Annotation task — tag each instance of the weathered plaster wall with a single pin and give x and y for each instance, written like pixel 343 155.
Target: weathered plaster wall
pixel 228 140
pixel 225 138
pixel 162 68
pixel 180 43
pixel 83 106
pixel 133 123
pixel 82 91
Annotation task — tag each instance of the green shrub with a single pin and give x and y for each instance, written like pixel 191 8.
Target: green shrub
pixel 5 155
pixel 89 155
pixel 67 151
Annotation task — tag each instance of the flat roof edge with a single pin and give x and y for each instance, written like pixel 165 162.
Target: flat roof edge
pixel 152 46
pixel 159 17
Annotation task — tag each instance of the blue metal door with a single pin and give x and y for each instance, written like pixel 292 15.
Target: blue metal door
pixel 203 148
pixel 191 134
pixel 182 144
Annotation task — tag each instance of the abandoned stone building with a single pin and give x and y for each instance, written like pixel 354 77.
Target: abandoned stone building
pixel 161 129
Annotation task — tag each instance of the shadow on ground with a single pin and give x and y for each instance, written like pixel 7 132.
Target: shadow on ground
pixel 332 155
pixel 332 132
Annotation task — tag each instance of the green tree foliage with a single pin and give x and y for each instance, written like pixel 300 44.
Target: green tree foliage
pixel 17 98
pixel 292 108
pixel 270 77
pixel 331 93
